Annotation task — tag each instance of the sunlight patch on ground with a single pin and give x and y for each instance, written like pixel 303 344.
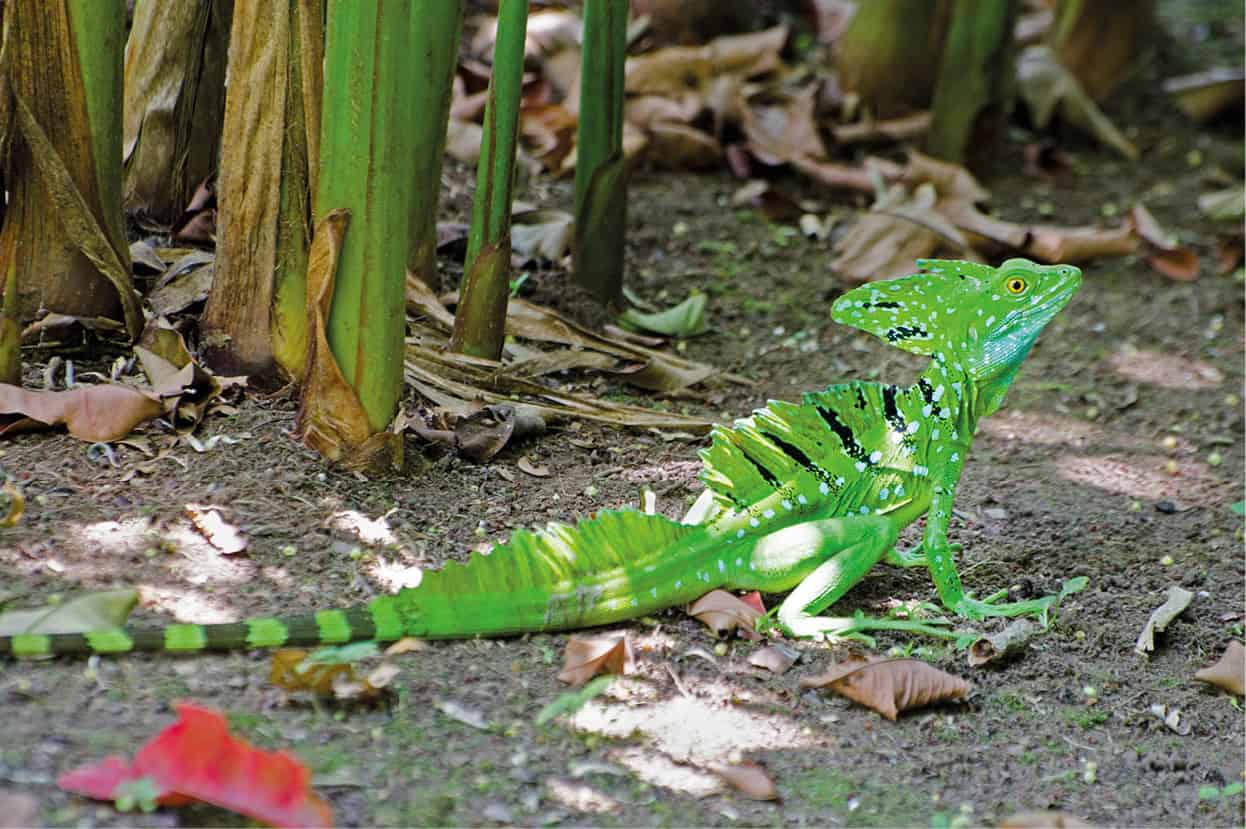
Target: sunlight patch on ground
pixel 116 536
pixel 187 605
pixel 673 471
pixel 1146 477
pixel 368 530
pixel 1169 371
pixel 395 575
pixel 690 729
pixel 1050 429
pixel 657 769
pixel 580 797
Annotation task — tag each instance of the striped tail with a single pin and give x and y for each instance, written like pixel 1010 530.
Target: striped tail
pixel 320 628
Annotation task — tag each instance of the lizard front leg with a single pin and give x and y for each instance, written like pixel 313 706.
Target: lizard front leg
pixel 940 558
pixel 823 560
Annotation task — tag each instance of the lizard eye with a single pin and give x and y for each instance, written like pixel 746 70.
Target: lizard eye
pixel 1017 286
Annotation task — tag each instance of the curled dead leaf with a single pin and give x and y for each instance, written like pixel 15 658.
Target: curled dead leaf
pixel 1043 820
pixel 16 507
pixel 1012 639
pixel 750 779
pixel 587 656
pixel 890 686
pixel 212 525
pixel 723 613
pixel 1229 672
pixel 776 658
pixel 91 413
pixel 1178 600
pixel 525 464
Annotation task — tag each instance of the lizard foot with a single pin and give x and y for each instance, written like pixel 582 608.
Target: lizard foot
pixel 803 626
pixel 979 609
pixel 912 557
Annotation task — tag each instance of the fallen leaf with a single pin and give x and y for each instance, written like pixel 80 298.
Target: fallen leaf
pixel 90 611
pixel 776 658
pixel 679 146
pixel 723 613
pixel 1164 254
pixel 459 712
pixel 890 686
pixel 1204 95
pixel 291 672
pixel 750 779
pixel 1178 600
pixel 92 413
pixel 1012 639
pixel 17 504
pixel 687 319
pixel 1048 89
pixel 525 464
pixel 212 525
pixel 1227 205
pixel 780 133
pixel 587 656
pixel 463 140
pixel 1228 672
pixel 883 246
pixel 185 282
pixel 197 758
pixel 541 235
pixel 1171 718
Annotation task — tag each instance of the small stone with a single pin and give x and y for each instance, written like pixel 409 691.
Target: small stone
pixel 1166 507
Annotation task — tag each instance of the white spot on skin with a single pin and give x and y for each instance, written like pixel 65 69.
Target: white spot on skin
pixel 926 410
pixel 885 493
pixel 955 457
pixel 802 499
pixel 678 583
pixel 787 504
pixel 839 481
pixel 876 456
pixel 920 471
pixel 768 514
pixel 913 427
pixel 860 465
pixel 739 562
pixel 653 592
pixel 753 522
pixel 739 533
pixel 899 490
pixel 864 510
pixel 722 566
pixel 938 393
pixel 990 321
pixel 934 435
pixel 823 488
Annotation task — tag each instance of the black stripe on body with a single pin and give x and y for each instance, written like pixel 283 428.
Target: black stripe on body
pixel 927 390
pixel 843 432
pixel 768 476
pixel 794 452
pixel 904 332
pixel 891 412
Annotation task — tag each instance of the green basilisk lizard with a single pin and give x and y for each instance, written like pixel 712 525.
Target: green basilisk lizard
pixel 800 497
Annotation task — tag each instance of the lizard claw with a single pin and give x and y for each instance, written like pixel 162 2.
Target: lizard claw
pixel 977 610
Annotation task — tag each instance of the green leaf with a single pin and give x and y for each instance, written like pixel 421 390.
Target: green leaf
pixel 1239 507
pixel 1208 792
pixel 1074 585
pixel 105 609
pixel 1232 789
pixel 342 654
pixel 573 701
pixel 687 319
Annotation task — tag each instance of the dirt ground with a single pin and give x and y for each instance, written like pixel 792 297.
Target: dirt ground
pixel 1116 457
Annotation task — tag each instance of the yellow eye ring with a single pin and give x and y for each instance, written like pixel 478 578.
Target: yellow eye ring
pixel 1017 285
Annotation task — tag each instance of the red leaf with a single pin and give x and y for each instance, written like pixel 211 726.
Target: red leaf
pixel 197 758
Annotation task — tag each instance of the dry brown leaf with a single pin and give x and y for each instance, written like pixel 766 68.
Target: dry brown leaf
pixel 407 644
pixel 724 612
pixel 331 419
pixel 749 779
pixel 1228 673
pixel 778 134
pixel 1204 95
pixel 883 246
pixel 92 413
pixel 541 234
pixel 1043 820
pixel 289 672
pixel 463 140
pixel 903 128
pixel 549 132
pixel 1164 254
pixel 1048 88
pixel 776 658
pixel 682 147
pixel 646 110
pixel 17 505
pixel 949 180
pixel 890 686
pixel 677 69
pixel 1177 601
pixel 587 656
pixel 1015 637
pixel 526 465
pixel 1079 244
pixel 220 533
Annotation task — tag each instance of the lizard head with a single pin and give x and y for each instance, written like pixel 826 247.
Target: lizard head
pixel 982 317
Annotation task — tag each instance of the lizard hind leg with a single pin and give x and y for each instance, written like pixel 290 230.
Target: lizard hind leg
pixel 827 557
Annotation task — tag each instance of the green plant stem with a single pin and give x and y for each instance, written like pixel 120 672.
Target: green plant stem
pixel 600 175
pixel 480 320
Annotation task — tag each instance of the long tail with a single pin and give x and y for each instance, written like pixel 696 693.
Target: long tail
pixel 323 627
pixel 613 566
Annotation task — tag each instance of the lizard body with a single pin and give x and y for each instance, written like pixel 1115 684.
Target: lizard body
pixel 800 497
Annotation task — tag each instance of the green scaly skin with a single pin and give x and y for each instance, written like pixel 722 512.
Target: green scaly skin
pixel 800 497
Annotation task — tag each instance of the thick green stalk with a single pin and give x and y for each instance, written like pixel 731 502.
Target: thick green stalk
pixel 480 321
pixel 434 55
pixel 974 85
pixel 374 65
pixel 600 175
